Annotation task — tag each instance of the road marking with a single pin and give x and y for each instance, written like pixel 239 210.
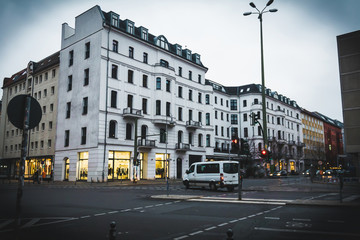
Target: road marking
pixel 195 233
pixel 150 206
pixel 222 224
pixel 302 219
pixel 177 201
pixel 182 237
pixel 251 216
pixel 336 221
pixel 99 214
pixel 138 208
pixel 126 210
pixel 210 228
pixel 30 223
pixel 158 205
pixel 238 202
pixel 351 198
pixel 307 231
pixel 168 203
pixel 272 218
pixel 243 218
pixel 234 221
pixel 87 216
pixel 113 212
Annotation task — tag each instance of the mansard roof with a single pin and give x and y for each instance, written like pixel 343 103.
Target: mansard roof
pixel 175 49
pixel 330 121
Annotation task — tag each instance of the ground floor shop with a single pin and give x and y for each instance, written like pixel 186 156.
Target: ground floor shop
pixel 119 165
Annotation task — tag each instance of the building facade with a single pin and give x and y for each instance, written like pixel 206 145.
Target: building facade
pixel 39 80
pixel 349 69
pixel 129 92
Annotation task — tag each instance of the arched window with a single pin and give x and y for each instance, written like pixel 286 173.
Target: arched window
pixel 143 131
pixel 162 42
pixel 128 131
pixel 162 135
pixel 112 129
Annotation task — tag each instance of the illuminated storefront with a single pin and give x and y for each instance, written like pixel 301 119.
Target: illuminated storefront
pixel 67 169
pixel 161 165
pixel 42 165
pixel 119 164
pixel 82 167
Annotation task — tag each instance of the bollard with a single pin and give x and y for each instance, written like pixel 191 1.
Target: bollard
pixel 112 231
pixel 229 234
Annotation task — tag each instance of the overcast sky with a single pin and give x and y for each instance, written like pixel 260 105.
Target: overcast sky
pixel 300 45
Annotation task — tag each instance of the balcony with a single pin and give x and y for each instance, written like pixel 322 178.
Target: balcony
pixel 182 146
pixel 300 144
pixel 221 150
pixel 146 144
pixel 161 119
pixel 132 113
pixel 291 142
pixel 193 124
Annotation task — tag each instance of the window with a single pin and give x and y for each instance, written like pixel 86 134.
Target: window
pixel 221 102
pixel 130 27
pixel 190 115
pixel 233 104
pixel 144 33
pixel 85 106
pixel 46 76
pixel 114 70
pixel 207 119
pixel 199 97
pixel 113 102
pixel 131 52
pixel 180 117
pixel 128 131
pixel 49 143
pixel 199 78
pixel 164 63
pixel 158 83
pixel 83 135
pixel 207 99
pixel 168 85
pixel 245 117
pixel 246 134
pixel 200 117
pixel 66 138
pixel 42 126
pixel 180 71
pixel 71 58
pixel 216 114
pixel 234 119
pixel 115 46
pixel 53 73
pixel 158 107
pixel 130 100
pixel 216 130
pixel 256 101
pixel 87 50
pixel 51 107
pixel 44 110
pixel 168 109
pixel 222 131
pixel 222 116
pixel 69 86
pixel 180 92
pixel 50 125
pixel 208 140
pixel 145 57
pixel 162 135
pixel 215 99
pixel 200 136
pixel 112 129
pixel 145 81
pixel 190 94
pixel 144 105
pixel 52 90
pixel 68 109
pixel 190 138
pixel 130 76
pixel 86 77
pixel 259 131
pixel 114 20
pixel 190 75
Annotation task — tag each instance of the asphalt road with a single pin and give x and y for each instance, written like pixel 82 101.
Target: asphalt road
pixel 85 211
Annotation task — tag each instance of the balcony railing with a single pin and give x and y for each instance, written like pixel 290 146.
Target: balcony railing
pixel 182 146
pixel 193 124
pixel 161 119
pixel 145 143
pixel 132 112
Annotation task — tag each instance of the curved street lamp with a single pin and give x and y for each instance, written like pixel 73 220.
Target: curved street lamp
pixel 260 13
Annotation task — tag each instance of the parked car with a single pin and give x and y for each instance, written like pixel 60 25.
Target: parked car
pixel 329 173
pixel 282 173
pixel 306 173
pixel 214 174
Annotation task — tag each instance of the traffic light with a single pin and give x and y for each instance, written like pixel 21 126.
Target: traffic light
pixel 244 146
pixel 235 145
pixel 264 153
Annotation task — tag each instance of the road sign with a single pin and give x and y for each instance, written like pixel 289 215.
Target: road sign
pixel 15 111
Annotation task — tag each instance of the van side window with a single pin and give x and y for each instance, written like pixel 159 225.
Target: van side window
pixel 192 168
pixel 208 168
pixel 231 167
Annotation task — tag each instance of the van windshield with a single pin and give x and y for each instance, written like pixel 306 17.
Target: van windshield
pixel 231 167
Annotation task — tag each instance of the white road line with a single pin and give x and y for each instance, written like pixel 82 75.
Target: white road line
pixel 168 203
pixel 210 228
pixel 336 221
pixel 243 218
pixel 302 219
pixel 195 233
pixel 113 212
pixel 138 208
pixel 182 237
pixel 234 221
pixel 306 231
pixel 259 213
pixel 150 206
pixel 99 214
pixel 30 223
pixel 177 201
pixel 126 210
pixel 251 216
pixel 87 216
pixel 272 218
pixel 158 205
pixel 3 224
pixel 222 224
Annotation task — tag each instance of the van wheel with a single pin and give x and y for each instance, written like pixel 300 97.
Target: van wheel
pixel 186 183
pixel 212 186
pixel 230 188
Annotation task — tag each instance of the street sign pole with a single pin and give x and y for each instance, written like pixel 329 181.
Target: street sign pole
pixel 22 161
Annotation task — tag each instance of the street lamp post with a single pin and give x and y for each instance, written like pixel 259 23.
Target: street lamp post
pixel 260 13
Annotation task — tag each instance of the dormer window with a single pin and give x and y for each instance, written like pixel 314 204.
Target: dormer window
pixel 115 20
pixel 178 49
pixel 130 26
pixel 197 58
pixel 162 42
pixel 144 33
pixel 188 54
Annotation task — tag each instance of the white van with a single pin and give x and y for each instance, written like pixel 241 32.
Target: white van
pixel 215 174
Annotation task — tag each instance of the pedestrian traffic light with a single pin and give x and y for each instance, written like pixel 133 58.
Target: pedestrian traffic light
pixel 264 153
